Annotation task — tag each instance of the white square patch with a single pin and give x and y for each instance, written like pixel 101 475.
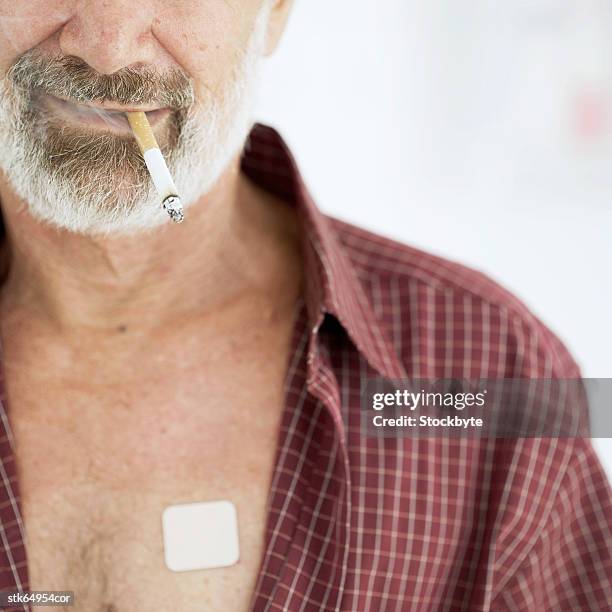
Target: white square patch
pixel 201 535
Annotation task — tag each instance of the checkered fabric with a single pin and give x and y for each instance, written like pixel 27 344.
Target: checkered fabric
pixel 373 524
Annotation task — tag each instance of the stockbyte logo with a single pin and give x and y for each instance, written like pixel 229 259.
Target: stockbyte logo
pixel 510 407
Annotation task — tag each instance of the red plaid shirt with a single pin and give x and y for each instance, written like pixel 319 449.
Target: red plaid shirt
pixel 362 524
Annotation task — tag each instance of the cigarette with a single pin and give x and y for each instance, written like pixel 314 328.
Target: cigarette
pixel 156 165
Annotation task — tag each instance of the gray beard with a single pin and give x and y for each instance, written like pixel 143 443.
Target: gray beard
pixel 96 182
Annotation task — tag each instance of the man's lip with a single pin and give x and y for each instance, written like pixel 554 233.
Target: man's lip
pixel 112 107
pixel 108 117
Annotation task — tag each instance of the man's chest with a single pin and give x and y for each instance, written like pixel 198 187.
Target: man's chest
pixel 97 467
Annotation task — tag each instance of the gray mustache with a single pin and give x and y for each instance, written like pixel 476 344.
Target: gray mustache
pixel 72 78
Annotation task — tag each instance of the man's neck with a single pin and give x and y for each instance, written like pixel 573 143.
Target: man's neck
pixel 235 242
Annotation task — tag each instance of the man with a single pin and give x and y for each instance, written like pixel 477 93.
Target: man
pixel 147 364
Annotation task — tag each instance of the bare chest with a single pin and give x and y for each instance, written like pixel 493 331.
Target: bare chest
pixel 98 465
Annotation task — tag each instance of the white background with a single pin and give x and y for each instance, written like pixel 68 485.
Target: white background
pixel 480 131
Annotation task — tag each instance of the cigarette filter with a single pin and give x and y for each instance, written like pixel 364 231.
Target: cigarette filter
pixel 156 164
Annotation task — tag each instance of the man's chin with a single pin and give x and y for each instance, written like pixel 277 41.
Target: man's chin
pixel 106 197
pixel 100 214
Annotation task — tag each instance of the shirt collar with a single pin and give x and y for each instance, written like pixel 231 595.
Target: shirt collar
pixel 332 286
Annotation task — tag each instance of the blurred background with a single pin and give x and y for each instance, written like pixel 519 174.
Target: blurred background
pixel 480 131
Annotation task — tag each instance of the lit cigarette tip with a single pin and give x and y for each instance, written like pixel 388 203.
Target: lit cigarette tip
pixel 156 164
pixel 174 208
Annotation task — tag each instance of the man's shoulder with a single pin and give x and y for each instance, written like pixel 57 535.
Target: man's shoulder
pixel 377 256
pixel 437 294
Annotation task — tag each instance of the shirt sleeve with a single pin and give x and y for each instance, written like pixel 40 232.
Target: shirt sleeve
pixel 570 565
